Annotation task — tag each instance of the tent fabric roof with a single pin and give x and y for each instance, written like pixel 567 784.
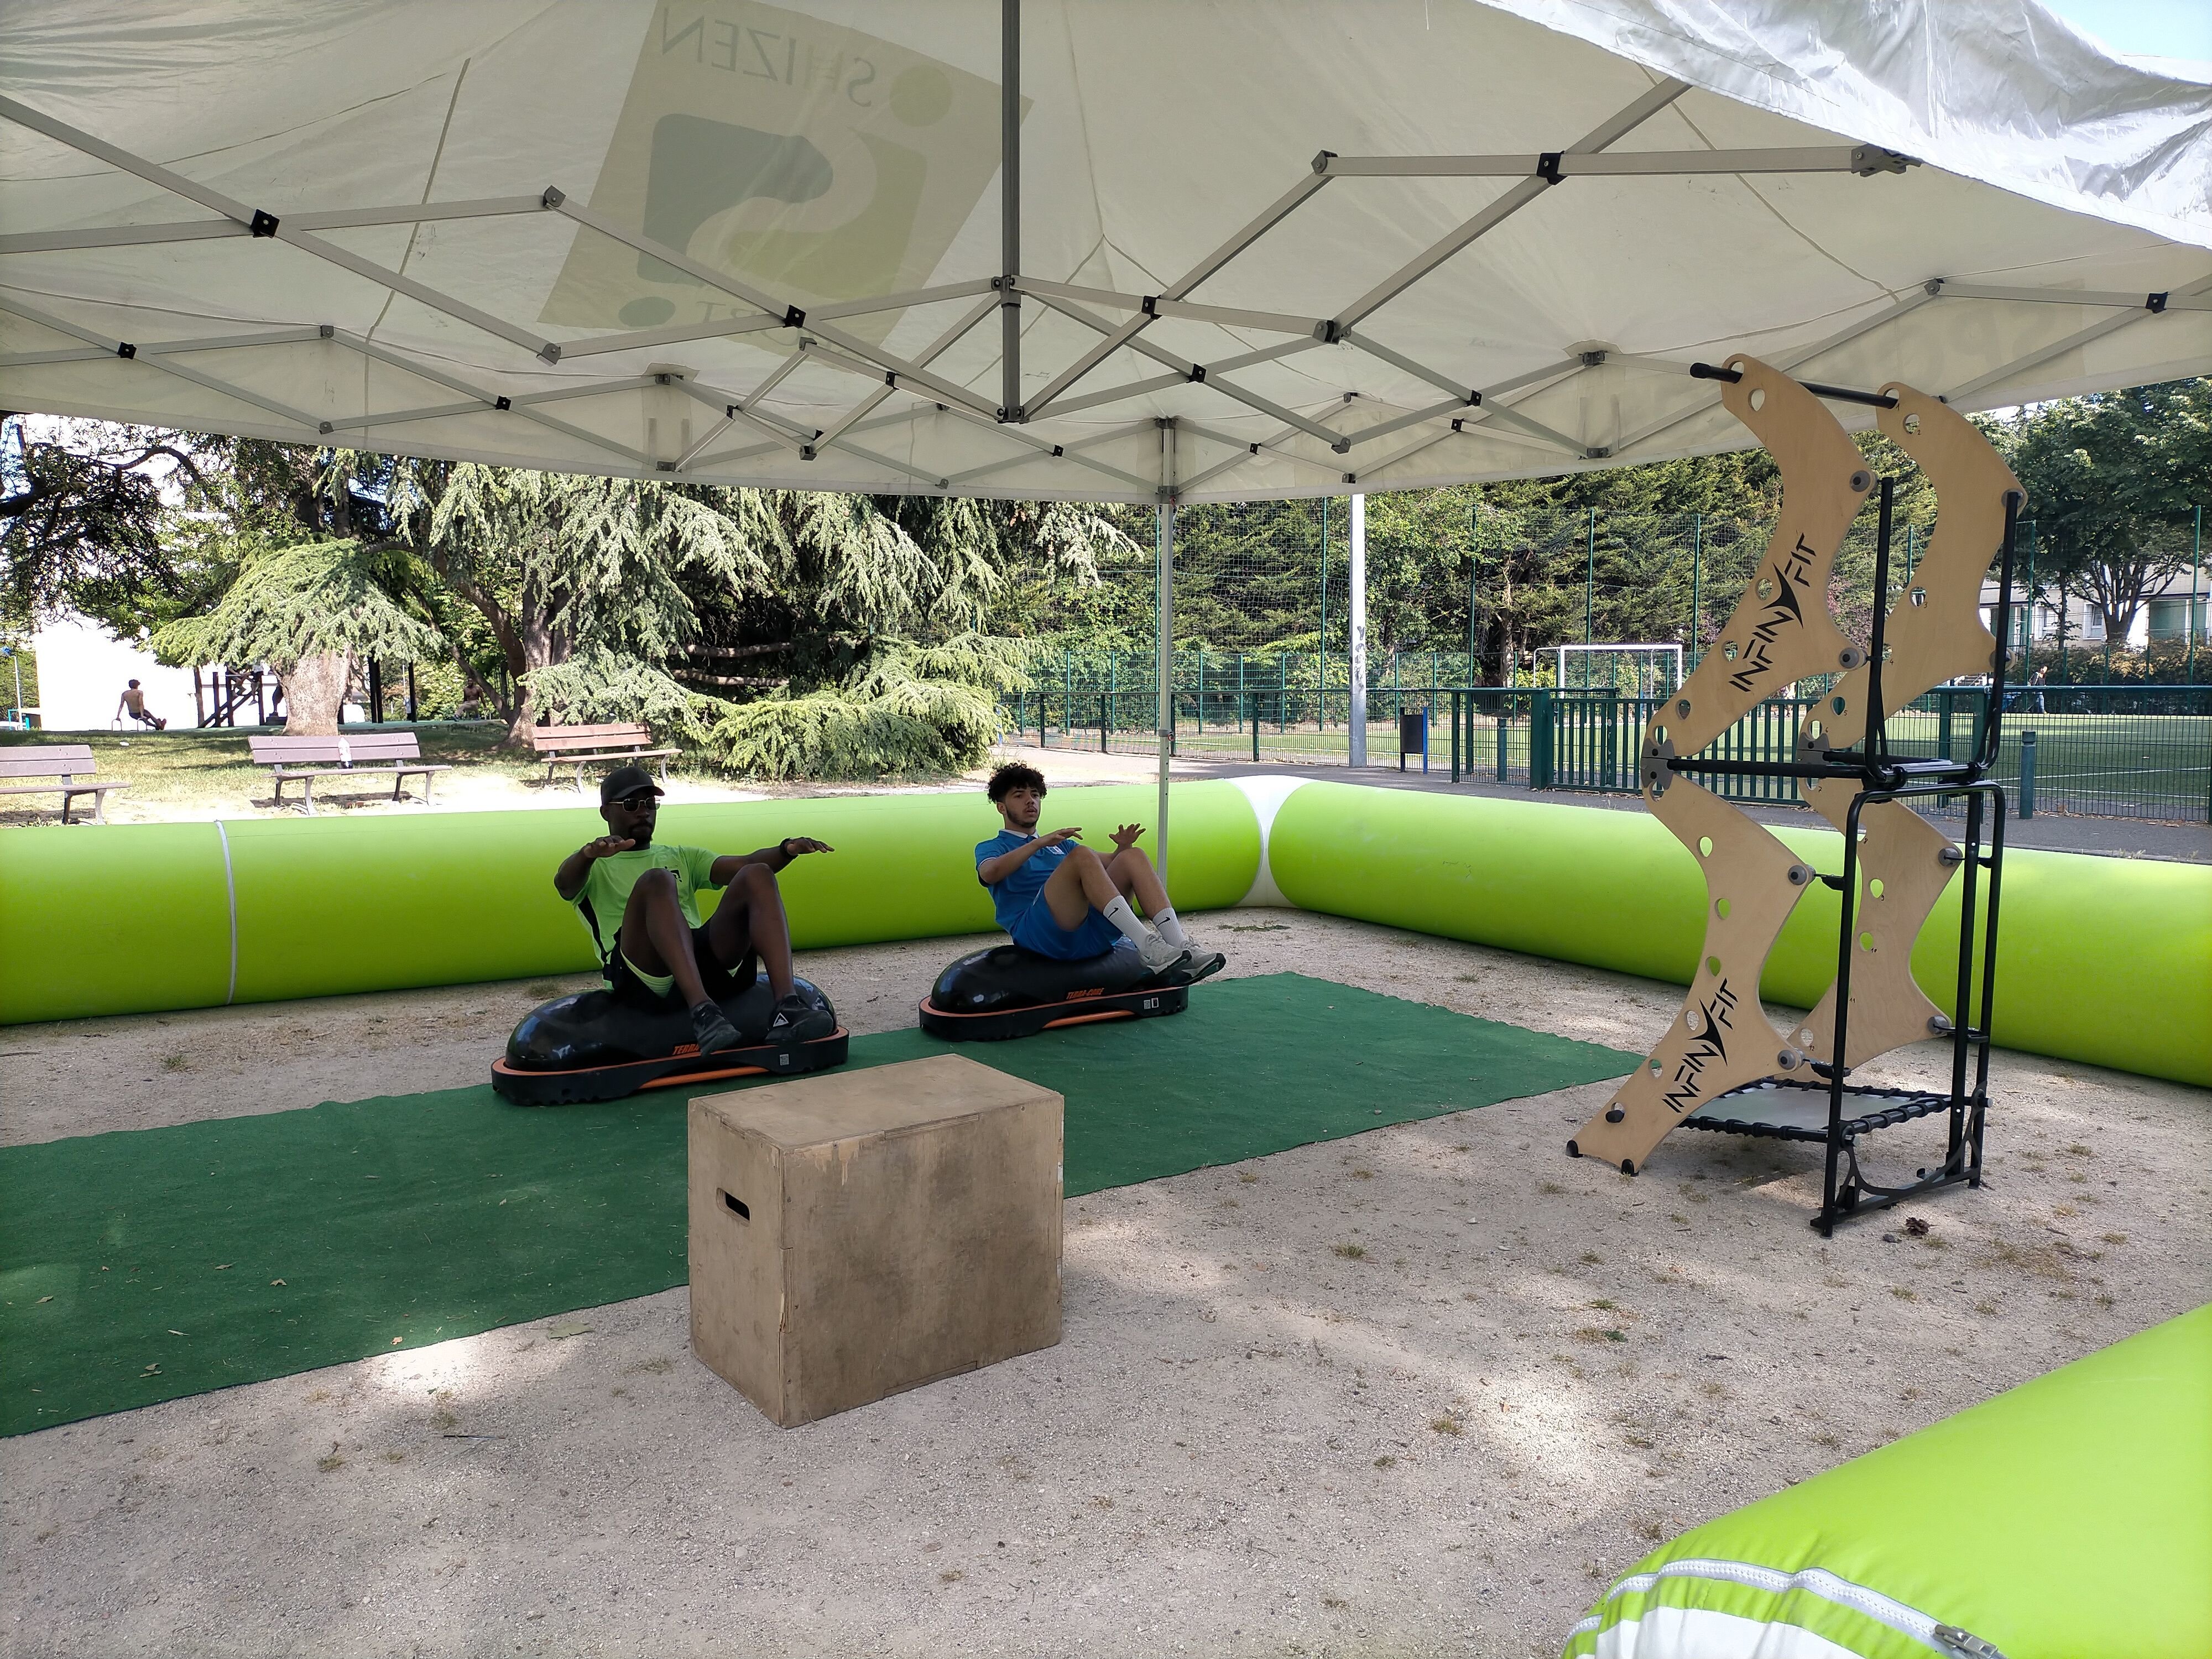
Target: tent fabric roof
pixel 1265 249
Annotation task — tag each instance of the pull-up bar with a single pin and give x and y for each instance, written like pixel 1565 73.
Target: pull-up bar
pixel 1842 394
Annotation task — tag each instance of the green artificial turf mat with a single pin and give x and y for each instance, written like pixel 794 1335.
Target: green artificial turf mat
pixel 145 1264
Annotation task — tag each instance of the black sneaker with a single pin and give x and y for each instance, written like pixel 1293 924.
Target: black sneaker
pixel 711 1029
pixel 797 1020
pixel 1202 963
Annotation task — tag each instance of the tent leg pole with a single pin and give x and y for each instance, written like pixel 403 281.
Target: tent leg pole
pixel 1357 752
pixel 1166 515
pixel 1010 208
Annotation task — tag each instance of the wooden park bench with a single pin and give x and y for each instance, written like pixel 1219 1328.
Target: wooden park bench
pixel 69 764
pixel 396 754
pixel 578 745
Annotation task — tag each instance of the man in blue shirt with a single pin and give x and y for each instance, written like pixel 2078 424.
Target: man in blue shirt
pixel 1057 897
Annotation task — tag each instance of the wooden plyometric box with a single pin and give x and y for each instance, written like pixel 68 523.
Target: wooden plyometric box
pixel 858 1232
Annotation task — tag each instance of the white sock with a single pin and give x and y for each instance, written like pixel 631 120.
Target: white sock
pixel 1118 912
pixel 1169 926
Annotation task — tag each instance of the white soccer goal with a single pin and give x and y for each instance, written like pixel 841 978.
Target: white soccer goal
pixel 1626 671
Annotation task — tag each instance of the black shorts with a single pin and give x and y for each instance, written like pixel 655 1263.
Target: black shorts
pixel 721 983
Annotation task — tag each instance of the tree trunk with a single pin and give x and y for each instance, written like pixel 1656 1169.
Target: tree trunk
pixel 314 694
pixel 536 644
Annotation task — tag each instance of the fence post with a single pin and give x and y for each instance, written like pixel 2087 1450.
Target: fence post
pixel 1539 739
pixel 1320 706
pixel 1943 722
pixel 1697 570
pixel 1250 713
pixel 2027 774
pixel 1589 584
pixel 1505 719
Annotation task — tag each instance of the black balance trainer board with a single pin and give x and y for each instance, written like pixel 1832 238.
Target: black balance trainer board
pixel 591 1047
pixel 1008 992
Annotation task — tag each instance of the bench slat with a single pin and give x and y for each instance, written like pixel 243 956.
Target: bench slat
pixel 52 759
pixel 554 739
pixel 584 757
pixel 371 746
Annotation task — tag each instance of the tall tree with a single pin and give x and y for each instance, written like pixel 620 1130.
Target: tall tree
pixel 2110 479
pixel 313 611
pixel 577 577
pixel 82 508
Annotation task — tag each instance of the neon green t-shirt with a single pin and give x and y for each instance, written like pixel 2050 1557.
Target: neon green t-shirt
pixel 605 892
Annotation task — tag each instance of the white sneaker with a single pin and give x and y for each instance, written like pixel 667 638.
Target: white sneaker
pixel 1158 956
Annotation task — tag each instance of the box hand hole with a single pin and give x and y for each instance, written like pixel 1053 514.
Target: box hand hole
pixel 736 1206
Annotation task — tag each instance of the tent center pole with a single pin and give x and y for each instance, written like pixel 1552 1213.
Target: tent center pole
pixel 1010 209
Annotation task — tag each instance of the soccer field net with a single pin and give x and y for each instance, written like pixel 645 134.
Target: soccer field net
pixel 1646 670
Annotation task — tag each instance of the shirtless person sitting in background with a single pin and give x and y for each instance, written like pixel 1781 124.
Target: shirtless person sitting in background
pixel 133 703
pixel 639 900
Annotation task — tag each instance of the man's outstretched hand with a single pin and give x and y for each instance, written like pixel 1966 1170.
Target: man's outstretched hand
pixel 795 845
pixel 607 846
pixel 1126 836
pixel 1056 836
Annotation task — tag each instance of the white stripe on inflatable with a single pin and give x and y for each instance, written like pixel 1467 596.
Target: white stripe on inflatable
pixel 1814 1581
pixel 1266 795
pixel 1700 1633
pixel 230 892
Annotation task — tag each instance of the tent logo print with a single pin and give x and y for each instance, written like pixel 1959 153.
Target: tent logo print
pixel 701 168
pixel 816 162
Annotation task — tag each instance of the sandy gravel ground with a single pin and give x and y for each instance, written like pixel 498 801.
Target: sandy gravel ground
pixel 1415 1393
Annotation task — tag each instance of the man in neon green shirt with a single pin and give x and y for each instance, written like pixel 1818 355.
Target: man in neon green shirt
pixel 640 901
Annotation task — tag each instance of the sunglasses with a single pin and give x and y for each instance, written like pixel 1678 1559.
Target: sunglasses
pixel 641 800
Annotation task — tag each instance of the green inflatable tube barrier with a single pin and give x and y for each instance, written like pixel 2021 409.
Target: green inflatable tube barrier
pixel 2107 961
pixel 2069 1515
pixel 138 918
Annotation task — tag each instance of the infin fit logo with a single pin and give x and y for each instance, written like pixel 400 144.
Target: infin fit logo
pixel 1792 571
pixel 815 162
pixel 1710 1049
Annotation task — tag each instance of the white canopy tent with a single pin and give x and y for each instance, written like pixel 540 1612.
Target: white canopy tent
pixel 1379 244
pixel 1144 250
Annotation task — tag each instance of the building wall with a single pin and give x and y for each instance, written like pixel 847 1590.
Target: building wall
pixel 82 670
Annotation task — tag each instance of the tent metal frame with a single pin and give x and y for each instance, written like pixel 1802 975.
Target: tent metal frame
pixel 801 338
pixel 798 338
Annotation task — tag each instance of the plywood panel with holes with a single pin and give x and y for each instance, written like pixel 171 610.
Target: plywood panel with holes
pixel 1903 870
pixel 1933 633
pixel 1780 630
pixel 1722 1039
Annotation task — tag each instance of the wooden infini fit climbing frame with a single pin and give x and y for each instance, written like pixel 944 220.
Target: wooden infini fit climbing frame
pixel 1780 631
pixel 1722 1060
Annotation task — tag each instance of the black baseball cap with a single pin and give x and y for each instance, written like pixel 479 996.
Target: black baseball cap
pixel 623 782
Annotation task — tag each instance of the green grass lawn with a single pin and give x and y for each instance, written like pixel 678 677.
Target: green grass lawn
pixel 187 772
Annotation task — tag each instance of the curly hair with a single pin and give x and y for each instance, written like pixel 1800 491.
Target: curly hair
pixel 1011 776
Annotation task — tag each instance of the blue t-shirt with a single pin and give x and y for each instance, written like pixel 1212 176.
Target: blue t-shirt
pixel 1014 895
